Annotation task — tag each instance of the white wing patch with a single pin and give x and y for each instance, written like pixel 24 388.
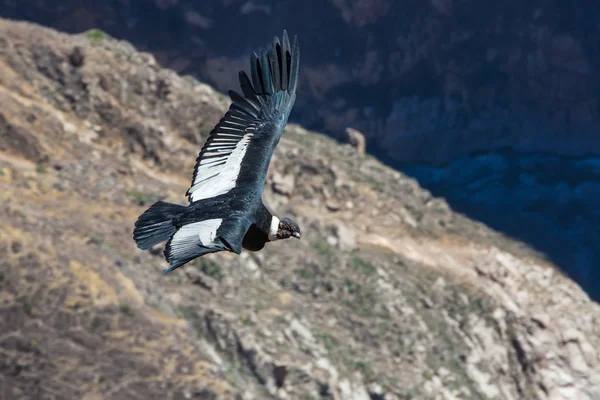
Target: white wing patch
pixel 189 237
pixel 219 167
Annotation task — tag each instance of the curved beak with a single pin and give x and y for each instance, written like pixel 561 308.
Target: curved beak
pixel 296 235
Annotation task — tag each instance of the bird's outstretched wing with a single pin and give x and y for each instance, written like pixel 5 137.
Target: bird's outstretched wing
pixel 239 148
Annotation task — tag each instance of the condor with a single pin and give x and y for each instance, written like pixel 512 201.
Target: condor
pixel 225 210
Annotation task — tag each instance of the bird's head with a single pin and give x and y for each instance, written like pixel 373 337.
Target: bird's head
pixel 288 228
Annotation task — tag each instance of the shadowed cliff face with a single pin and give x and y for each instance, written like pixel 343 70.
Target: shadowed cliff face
pixel 545 200
pixel 432 84
pixel 426 81
pixel 389 295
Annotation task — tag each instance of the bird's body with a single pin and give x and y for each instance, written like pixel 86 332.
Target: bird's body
pixel 226 211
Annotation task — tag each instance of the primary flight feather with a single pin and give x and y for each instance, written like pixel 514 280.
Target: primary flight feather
pixel 226 211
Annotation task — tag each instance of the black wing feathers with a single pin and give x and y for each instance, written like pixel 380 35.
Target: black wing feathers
pixel 246 85
pixel 285 58
pixel 265 70
pixel 272 73
pixel 256 74
pixel 244 104
pixel 293 65
pixel 275 63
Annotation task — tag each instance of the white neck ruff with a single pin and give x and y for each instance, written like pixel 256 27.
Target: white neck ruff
pixel 274 229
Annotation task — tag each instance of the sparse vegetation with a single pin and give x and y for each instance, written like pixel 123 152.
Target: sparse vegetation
pixel 191 315
pixel 41 168
pixel 412 393
pixel 302 139
pixel 362 266
pixel 365 369
pixel 306 273
pixel 95 239
pixel 234 374
pixel 154 304
pixel 481 304
pixel 346 358
pixel 96 36
pixel 351 362
pixel 383 327
pixel 361 298
pixel 352 286
pixel 210 268
pixel 323 248
pixel 376 184
pixel 126 309
pixel 140 197
pixel 27 307
pixel 329 342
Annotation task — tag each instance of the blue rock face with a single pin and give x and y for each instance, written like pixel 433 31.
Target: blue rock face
pixel 550 202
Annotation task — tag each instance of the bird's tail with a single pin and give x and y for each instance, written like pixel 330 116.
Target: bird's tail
pixel 155 225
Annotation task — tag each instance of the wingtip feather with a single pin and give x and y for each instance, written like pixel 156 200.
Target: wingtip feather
pixel 276 62
pixel 295 65
pixel 246 85
pixel 285 49
pixel 286 38
pixel 254 72
pixel 265 67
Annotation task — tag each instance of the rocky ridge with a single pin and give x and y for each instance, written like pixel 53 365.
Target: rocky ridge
pixel 389 295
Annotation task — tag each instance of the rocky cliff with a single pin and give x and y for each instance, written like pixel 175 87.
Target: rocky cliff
pixel 438 87
pixel 389 295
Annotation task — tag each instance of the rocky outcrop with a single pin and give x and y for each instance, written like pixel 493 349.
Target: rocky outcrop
pixel 356 139
pixel 389 294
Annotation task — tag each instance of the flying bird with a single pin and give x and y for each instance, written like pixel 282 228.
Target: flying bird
pixel 225 210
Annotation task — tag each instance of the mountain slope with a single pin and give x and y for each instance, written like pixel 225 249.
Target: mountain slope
pixel 389 294
pixel 502 100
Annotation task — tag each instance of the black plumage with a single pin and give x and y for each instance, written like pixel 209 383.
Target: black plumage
pixel 225 211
